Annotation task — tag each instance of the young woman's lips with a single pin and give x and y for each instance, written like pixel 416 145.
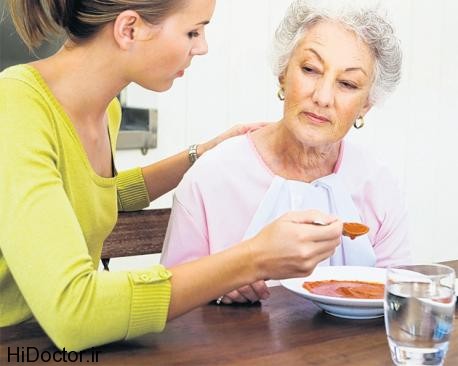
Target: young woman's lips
pixel 180 73
pixel 316 118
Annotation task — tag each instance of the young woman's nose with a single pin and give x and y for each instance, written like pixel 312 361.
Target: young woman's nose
pixel 201 47
pixel 323 95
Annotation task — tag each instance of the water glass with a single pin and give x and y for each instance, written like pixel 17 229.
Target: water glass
pixel 419 310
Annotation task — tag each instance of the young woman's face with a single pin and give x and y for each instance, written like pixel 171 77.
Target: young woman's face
pixel 327 84
pixel 166 55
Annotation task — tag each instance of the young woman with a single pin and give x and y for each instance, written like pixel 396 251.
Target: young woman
pixel 60 192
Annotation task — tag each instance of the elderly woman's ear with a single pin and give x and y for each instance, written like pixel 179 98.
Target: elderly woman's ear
pixel 366 108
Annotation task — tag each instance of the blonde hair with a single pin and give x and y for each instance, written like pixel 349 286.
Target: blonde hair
pixel 40 20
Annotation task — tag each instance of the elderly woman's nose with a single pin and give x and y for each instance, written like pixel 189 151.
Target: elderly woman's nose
pixel 323 94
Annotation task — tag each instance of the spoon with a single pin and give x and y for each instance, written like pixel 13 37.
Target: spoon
pixel 350 229
pixel 354 229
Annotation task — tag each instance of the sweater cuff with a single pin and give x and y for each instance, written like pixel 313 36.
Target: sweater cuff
pixel 151 291
pixel 132 191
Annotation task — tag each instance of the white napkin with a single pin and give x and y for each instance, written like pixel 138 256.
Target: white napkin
pixel 327 194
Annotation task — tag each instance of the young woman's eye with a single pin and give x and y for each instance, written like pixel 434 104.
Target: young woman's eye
pixel 193 34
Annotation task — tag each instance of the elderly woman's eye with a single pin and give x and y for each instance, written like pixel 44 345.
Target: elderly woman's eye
pixel 348 85
pixel 307 70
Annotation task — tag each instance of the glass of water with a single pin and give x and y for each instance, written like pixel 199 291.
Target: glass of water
pixel 419 311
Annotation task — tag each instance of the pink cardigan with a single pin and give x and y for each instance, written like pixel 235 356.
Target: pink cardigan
pixel 216 200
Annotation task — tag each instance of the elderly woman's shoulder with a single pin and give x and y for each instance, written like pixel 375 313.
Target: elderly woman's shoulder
pixel 233 156
pixel 229 151
pixel 231 162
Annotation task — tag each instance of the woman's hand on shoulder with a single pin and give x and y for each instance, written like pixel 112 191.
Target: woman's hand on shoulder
pixel 239 129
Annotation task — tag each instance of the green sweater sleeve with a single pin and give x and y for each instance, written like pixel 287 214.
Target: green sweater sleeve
pixel 132 191
pixel 45 258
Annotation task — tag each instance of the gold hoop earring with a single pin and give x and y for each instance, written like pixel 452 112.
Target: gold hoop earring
pixel 281 94
pixel 359 124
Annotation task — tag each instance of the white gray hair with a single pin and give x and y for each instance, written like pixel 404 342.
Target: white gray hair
pixel 368 23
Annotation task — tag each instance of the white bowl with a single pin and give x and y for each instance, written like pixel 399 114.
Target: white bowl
pixel 341 306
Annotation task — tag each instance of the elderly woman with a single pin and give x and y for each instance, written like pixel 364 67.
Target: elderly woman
pixel 332 66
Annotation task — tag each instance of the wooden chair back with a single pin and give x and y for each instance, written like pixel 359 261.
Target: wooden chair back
pixel 136 233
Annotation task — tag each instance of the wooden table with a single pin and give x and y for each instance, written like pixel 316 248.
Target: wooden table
pixel 286 330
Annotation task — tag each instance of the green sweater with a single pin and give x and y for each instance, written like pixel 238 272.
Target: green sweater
pixel 55 213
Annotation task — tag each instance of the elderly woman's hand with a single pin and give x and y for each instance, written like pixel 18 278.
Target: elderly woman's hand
pixel 239 129
pixel 250 293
